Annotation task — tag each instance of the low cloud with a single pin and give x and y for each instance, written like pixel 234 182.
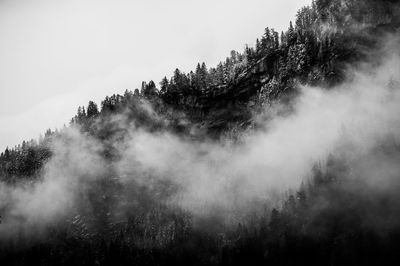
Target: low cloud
pixel 208 176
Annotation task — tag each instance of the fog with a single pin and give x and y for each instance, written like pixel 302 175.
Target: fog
pixel 228 178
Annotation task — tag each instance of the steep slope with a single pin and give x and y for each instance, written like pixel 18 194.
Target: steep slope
pixel 103 190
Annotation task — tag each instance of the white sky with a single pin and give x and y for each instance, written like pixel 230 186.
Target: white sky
pixel 57 55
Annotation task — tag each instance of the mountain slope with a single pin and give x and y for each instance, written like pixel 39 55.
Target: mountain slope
pixel 123 183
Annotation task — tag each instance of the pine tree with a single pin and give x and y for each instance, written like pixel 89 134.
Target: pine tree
pixel 283 39
pixel 266 39
pixel 92 109
pixel 164 85
pixel 258 46
pixel 276 39
pixel 149 90
pixel 292 36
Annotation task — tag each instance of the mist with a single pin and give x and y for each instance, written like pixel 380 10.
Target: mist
pixel 221 178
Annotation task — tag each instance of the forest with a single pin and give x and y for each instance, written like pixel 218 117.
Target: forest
pixel 285 153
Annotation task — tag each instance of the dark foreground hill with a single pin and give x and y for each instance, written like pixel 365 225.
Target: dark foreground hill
pixel 335 217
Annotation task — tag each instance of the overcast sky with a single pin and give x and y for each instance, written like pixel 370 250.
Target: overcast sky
pixel 57 55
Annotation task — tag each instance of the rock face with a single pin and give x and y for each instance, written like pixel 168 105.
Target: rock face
pixel 245 86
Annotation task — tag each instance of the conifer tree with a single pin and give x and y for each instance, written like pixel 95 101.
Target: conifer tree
pixel 92 109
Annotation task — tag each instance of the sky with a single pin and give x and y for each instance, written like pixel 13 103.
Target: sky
pixel 58 55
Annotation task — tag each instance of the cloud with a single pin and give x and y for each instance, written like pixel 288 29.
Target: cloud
pixel 205 177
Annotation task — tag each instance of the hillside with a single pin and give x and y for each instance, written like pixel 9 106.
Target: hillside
pixel 218 166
